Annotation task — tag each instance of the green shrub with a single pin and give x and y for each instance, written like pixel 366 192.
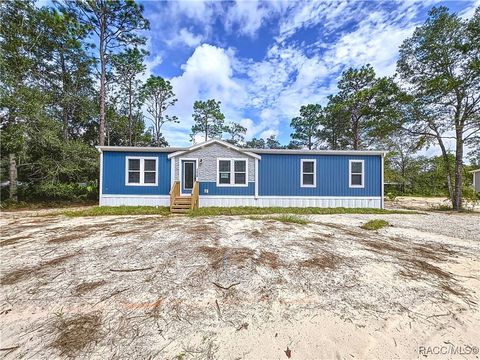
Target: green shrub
pixel 61 191
pixel 392 195
pixel 375 224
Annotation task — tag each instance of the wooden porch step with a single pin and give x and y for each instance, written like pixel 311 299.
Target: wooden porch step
pixel 181 206
pixel 182 200
pixel 179 210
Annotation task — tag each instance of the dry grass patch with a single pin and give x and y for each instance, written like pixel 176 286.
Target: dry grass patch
pixel 269 259
pixel 17 275
pixel 382 246
pixel 76 333
pixel 230 256
pixel 124 232
pixel 86 287
pixel 327 261
pixel 64 239
pixel 418 269
pixel 12 241
pixel 20 274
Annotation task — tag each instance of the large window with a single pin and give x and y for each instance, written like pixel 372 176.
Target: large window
pixel 141 171
pixel 308 173
pixel 356 173
pixel 232 172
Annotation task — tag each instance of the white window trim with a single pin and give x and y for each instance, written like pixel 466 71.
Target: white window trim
pixel 142 172
pixel 232 172
pixel 314 173
pixel 350 174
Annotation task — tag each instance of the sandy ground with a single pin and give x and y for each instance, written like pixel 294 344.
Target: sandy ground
pixel 239 288
pixel 427 203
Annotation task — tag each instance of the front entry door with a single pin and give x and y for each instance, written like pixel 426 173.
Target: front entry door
pixel 188 176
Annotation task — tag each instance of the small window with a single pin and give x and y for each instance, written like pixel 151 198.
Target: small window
pixel 356 173
pixel 224 171
pixel 141 171
pixel 240 177
pixel 308 170
pixel 232 172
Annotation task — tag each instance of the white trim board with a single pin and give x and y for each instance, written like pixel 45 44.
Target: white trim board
pixel 362 185
pixel 213 141
pixel 180 168
pixel 141 170
pixel 314 173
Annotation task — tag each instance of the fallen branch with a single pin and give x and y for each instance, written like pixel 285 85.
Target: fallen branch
pixel 223 287
pixel 131 270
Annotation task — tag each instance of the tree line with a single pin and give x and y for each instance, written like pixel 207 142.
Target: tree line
pixel 70 79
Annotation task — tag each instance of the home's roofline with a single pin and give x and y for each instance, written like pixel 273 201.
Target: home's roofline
pixel 318 152
pixel 215 141
pixel 176 151
pixel 474 171
pixel 139 148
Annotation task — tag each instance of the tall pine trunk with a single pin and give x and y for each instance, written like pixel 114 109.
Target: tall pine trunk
pixel 457 195
pixel 448 169
pixel 103 80
pixel 13 177
pixel 65 89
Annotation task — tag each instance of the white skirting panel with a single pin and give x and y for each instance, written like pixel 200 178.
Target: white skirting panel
pixel 262 201
pixel 294 201
pixel 135 200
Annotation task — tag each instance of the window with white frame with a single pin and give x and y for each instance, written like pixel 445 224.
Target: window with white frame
pixel 232 172
pixel 308 173
pixel 356 173
pixel 141 171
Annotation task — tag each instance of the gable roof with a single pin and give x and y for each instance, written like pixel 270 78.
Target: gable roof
pixel 214 141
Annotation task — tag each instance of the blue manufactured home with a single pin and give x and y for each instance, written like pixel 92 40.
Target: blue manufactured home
pixel 216 173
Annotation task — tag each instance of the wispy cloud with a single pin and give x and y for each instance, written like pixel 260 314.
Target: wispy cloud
pixel 264 60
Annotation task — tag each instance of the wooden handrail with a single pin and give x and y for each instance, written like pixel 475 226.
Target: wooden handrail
pixel 174 192
pixel 195 195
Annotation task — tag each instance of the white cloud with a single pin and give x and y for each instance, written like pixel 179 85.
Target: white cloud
pixel 207 74
pixel 470 11
pixel 185 37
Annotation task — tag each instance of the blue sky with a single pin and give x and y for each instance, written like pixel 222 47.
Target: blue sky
pixel 263 60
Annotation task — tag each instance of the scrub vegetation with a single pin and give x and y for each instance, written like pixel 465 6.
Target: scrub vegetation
pixel 250 210
pixel 117 210
pixel 217 211
pixel 375 224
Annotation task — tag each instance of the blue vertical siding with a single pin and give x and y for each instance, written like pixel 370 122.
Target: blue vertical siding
pixel 279 175
pixel 113 181
pixel 213 189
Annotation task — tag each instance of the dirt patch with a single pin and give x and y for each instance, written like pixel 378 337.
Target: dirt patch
pixel 86 287
pixel 76 333
pixel 256 233
pixel 327 261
